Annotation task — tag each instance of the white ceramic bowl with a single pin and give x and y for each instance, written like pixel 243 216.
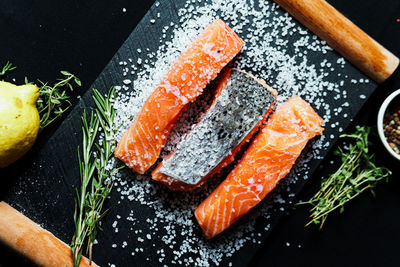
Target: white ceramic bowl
pixel 381 115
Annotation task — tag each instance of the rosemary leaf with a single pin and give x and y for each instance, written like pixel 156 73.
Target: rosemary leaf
pixel 356 174
pixel 95 176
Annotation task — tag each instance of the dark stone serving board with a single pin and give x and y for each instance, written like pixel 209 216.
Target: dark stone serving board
pixel 44 189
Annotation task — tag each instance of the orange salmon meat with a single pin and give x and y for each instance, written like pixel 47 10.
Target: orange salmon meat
pixel 141 144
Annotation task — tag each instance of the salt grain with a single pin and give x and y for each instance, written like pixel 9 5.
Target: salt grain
pixel 284 65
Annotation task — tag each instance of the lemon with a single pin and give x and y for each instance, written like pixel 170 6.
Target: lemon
pixel 19 120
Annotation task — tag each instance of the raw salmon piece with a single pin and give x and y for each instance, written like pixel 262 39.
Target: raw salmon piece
pixel 231 121
pixel 268 159
pixel 141 144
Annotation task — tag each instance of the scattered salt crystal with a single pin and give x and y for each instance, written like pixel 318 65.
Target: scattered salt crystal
pixel 265 28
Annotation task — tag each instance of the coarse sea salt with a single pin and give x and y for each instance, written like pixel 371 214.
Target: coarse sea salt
pixel 278 50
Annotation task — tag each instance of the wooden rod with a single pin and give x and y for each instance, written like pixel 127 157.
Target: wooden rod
pixel 25 236
pixel 344 36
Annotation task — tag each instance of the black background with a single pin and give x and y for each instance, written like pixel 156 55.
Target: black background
pixel 43 37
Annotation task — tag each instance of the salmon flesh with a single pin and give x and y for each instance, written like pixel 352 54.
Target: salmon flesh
pixel 140 146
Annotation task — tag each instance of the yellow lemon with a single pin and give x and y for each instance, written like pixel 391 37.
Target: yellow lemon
pixel 19 120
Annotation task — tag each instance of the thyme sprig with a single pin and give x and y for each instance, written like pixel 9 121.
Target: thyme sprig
pixel 95 175
pixel 356 174
pixel 7 68
pixel 53 100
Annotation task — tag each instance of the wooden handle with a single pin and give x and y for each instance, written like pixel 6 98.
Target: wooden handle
pixel 344 36
pixel 34 242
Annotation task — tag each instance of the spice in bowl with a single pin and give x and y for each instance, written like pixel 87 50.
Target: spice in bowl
pixel 391 128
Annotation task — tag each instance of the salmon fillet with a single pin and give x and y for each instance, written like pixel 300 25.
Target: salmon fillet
pixel 268 159
pixel 141 144
pixel 229 123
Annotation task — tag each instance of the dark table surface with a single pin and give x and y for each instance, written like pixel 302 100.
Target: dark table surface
pixel 43 37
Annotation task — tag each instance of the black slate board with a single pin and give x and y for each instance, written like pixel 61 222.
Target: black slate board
pixel 44 191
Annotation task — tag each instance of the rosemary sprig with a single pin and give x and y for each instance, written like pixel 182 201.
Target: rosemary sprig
pixel 95 176
pixel 7 68
pixel 53 100
pixel 357 173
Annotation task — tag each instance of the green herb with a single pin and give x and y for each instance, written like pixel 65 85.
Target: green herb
pixel 95 176
pixel 53 100
pixel 356 174
pixel 7 68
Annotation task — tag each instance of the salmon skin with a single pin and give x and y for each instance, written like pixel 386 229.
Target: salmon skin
pixel 219 84
pixel 242 104
pixel 268 159
pixel 140 146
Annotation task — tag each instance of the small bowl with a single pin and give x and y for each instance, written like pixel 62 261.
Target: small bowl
pixel 381 115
